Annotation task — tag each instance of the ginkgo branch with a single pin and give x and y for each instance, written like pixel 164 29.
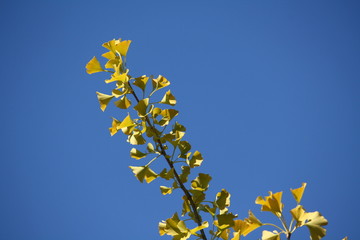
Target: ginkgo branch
pixel 171 165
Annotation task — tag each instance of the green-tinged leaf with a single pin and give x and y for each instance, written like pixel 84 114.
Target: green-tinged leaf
pixel 165 190
pixel 174 227
pixel 144 173
pixel 159 82
pixel 168 99
pixel 315 223
pixel 123 103
pixel 197 196
pixel 93 66
pixel 195 160
pixel 271 203
pixel 201 182
pixel 134 153
pixel 167 174
pixel 104 100
pixel 223 200
pixel 186 206
pixel 127 122
pixel 184 147
pixel 184 174
pixel 136 139
pixel 173 137
pixel 208 209
pixel 141 82
pixel 298 193
pixel 225 220
pixel 267 235
pixel 178 127
pixel 141 107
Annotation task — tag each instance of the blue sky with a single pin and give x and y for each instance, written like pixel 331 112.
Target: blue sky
pixel 268 91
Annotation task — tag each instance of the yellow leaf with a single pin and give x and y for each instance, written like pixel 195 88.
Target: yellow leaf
pixel 298 193
pixel 121 77
pixel 134 153
pixel 136 139
pixel 225 234
pixel 93 66
pixel 168 99
pixel 240 226
pixel 141 82
pixel 313 220
pixel 122 47
pixel 141 107
pixel 117 93
pixel 236 236
pixel 123 103
pixel 252 224
pixel 168 115
pixel 198 228
pixel 110 45
pixel 128 130
pixel 267 235
pixel 104 100
pixel 114 127
pixel 165 190
pixel 114 63
pixel 315 223
pixel 159 82
pixel 127 122
pixel 271 203
pixel 144 172
pixel 109 55
pixel 299 214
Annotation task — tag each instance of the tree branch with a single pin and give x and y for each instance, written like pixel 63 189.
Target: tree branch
pixel 177 177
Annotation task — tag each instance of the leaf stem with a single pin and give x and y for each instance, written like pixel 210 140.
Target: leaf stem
pixel 273 225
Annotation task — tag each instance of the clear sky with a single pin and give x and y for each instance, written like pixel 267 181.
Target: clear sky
pixel 268 91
